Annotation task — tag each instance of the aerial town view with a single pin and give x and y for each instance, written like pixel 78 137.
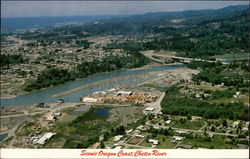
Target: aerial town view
pixel 158 79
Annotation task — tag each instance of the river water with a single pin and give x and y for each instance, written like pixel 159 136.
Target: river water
pixel 45 94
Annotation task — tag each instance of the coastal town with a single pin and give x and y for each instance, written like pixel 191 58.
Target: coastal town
pixel 164 85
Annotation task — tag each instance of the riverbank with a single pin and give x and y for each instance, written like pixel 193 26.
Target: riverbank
pixel 20 92
pixel 182 71
pixel 121 79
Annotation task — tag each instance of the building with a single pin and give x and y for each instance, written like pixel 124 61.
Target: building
pixel 129 131
pixel 140 127
pixel 210 135
pixel 89 100
pixel 196 118
pixel 168 122
pixel 124 93
pixel 178 138
pixel 118 138
pixel 45 137
pixel 182 132
pixel 235 123
pixel 154 142
pixel 58 114
pixel 51 118
pixel 148 110
pixel 140 136
pixel 137 132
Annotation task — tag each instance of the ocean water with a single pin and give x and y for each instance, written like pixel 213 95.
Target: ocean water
pixel 22 24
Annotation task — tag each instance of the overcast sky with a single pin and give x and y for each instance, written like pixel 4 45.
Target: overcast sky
pixel 76 8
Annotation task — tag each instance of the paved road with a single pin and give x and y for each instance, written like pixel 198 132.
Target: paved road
pixel 150 55
pixel 196 131
pixel 25 114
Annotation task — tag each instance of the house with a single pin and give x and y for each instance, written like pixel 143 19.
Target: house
pixel 140 127
pixel 235 123
pixel 137 132
pixel 45 137
pixel 168 122
pixel 198 96
pixel 129 131
pixel 118 138
pixel 101 137
pixel 178 138
pixel 124 93
pixel 207 95
pixel 182 132
pixel 154 142
pixel 58 114
pixel 51 118
pixel 156 127
pixel 210 135
pixel 140 136
pixel 89 100
pixel 245 129
pixel 148 110
pixel 196 118
pixel 148 122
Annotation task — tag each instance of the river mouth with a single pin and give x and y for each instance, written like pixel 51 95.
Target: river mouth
pixel 45 95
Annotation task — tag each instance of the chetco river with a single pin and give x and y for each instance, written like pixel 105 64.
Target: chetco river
pixel 44 95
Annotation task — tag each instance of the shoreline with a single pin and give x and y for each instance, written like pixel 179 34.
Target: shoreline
pixel 133 69
pixel 103 81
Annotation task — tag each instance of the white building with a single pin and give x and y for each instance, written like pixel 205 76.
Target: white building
pixel 154 142
pixel 140 127
pixel 235 123
pixel 148 110
pixel 182 132
pixel 129 131
pixel 178 138
pixel 118 138
pixel 168 122
pixel 140 136
pixel 51 118
pixel 89 100
pixel 45 137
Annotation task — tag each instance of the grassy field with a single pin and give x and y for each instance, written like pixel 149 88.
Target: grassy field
pixel 217 142
pixel 80 132
pixel 164 142
pixel 194 125
pixel 167 144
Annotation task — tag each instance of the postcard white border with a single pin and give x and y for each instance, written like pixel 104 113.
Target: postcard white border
pixel 77 153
